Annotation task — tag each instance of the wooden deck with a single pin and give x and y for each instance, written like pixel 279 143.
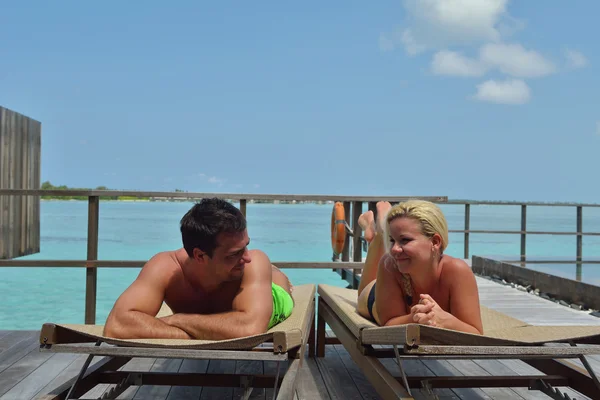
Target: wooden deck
pixel 26 373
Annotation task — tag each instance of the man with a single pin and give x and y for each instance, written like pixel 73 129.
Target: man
pixel 216 287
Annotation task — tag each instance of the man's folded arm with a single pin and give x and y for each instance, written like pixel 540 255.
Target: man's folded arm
pixel 133 315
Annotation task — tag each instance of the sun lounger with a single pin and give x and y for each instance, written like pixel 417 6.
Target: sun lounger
pixel 504 338
pixel 284 342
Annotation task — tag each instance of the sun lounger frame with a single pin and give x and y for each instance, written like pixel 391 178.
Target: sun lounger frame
pixel 549 360
pixel 107 370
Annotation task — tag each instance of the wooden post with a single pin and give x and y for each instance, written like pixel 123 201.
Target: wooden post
pixel 467 227
pixel 243 206
pixel 579 267
pixel 523 230
pixel 346 251
pixel 19 169
pixel 92 254
pixel 357 247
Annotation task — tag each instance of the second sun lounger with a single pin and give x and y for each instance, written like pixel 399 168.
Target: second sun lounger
pixel 284 342
pixel 504 338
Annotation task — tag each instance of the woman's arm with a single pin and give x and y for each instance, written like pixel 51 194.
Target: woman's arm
pixel 389 298
pixel 465 310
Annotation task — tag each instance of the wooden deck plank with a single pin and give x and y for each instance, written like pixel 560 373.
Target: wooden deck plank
pixel 40 377
pixel 65 375
pixel 18 371
pixel 444 368
pixel 10 338
pixel 219 367
pixel 310 384
pixel 522 368
pixel 468 367
pixel 338 381
pixel 159 392
pixel 529 307
pixel 249 367
pixel 136 364
pixel 188 392
pixel 496 368
pixel 99 389
pixel 365 388
pixel 17 351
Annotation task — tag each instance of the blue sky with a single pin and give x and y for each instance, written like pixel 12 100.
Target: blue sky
pixel 479 99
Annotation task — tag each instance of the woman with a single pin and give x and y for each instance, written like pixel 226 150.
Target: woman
pixel 407 278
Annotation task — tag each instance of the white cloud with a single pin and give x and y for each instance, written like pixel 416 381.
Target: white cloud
pixel 212 179
pixel 575 59
pixel 514 60
pixel 256 185
pixel 510 91
pixel 410 44
pixel 434 24
pixel 447 62
pixel 510 59
pixel 385 43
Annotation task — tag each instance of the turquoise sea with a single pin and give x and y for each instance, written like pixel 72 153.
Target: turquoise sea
pixel 286 232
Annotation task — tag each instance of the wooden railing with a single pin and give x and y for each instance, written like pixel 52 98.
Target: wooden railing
pixel 348 267
pixel 92 263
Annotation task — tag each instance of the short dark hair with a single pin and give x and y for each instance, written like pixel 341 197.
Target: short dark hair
pixel 201 225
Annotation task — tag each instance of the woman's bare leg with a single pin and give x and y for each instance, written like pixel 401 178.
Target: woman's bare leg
pixel 376 248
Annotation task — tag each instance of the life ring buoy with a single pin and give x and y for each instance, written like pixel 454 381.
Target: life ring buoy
pixel 338 228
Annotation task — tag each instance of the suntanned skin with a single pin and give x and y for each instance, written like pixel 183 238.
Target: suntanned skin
pixel 220 297
pixel 445 286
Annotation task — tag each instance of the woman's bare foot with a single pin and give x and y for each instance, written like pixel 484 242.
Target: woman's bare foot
pixel 383 207
pixel 367 223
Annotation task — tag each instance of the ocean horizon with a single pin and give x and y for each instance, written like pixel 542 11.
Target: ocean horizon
pixel 136 230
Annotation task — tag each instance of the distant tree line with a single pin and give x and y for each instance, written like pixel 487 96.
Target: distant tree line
pixel 49 186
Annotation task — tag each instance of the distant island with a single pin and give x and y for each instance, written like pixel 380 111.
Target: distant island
pixel 49 186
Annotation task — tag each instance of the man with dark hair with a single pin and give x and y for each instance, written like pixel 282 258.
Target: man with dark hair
pixel 216 287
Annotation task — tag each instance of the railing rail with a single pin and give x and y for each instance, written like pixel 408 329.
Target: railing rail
pixel 350 259
pixel 90 264
pixel 200 195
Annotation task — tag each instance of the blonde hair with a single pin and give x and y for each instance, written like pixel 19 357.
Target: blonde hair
pixel 430 217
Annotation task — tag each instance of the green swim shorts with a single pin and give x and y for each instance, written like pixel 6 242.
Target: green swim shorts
pixel 283 304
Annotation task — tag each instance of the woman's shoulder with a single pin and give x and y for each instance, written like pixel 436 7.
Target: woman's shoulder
pixel 455 268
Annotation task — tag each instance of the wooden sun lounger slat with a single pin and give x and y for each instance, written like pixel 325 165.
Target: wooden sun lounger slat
pixel 166 353
pixel 499 352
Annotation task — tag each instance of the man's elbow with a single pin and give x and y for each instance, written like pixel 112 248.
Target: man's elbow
pixel 253 328
pixel 112 330
pixel 115 329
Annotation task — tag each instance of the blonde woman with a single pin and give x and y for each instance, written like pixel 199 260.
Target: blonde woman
pixel 407 278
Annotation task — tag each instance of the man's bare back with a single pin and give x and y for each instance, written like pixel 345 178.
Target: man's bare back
pixel 215 286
